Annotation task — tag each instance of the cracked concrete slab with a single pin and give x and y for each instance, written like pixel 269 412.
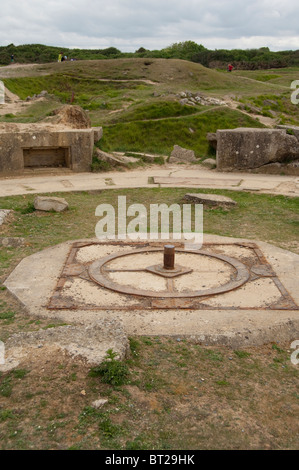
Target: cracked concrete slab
pixel 90 343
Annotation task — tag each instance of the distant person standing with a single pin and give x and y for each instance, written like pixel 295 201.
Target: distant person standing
pixel 230 67
pixel 12 58
pixel 60 57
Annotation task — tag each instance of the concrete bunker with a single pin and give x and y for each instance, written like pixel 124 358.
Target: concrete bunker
pixel 39 146
pixel 258 150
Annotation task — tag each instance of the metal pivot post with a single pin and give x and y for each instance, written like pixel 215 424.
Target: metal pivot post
pixel 169 253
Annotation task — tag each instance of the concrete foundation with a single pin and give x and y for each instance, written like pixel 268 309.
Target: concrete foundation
pixel 263 309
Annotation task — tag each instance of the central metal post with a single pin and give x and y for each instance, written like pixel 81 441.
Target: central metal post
pixel 169 252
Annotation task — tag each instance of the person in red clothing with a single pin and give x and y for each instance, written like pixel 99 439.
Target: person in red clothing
pixel 230 67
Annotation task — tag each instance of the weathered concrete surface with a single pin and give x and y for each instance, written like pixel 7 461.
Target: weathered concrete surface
pixel 190 176
pixel 89 342
pixel 48 203
pixel 244 148
pixel 24 146
pixel 233 327
pixel 210 199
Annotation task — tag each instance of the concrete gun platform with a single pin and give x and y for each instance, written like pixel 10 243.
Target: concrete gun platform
pixel 236 292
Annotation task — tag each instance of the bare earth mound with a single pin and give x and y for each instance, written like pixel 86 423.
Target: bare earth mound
pixel 71 116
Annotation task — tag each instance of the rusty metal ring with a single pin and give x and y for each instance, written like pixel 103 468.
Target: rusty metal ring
pixel 97 274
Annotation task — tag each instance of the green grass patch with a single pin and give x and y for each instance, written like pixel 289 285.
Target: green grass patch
pixel 86 92
pixel 111 371
pixel 141 136
pixel 162 109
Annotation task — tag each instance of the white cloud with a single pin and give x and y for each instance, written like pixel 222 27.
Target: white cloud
pixel 154 24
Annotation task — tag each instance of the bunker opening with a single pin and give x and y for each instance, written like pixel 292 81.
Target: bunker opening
pixel 47 157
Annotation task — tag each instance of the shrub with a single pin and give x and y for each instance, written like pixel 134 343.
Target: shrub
pixel 112 371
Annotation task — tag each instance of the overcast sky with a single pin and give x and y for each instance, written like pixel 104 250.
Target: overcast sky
pixel 153 24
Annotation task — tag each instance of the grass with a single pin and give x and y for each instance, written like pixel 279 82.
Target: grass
pixel 137 102
pixel 252 218
pixel 111 370
pixel 221 400
pixel 137 136
pixel 274 104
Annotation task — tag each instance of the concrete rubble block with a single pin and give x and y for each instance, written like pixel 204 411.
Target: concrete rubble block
pixel 48 203
pixel 210 199
pixel 89 343
pixel 249 148
pixel 181 154
pixel 107 157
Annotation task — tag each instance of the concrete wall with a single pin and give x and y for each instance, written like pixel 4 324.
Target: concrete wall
pixel 78 145
pixel 250 148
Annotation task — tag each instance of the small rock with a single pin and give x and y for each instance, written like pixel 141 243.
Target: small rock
pixel 182 154
pixel 184 101
pixel 47 203
pixel 99 403
pixel 209 162
pixel 3 214
pixel 210 199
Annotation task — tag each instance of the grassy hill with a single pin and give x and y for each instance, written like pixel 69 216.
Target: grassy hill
pixel 138 101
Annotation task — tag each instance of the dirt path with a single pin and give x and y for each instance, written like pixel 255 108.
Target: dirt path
pixel 13 104
pixel 267 121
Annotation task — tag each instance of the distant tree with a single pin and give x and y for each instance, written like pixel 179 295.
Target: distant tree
pixel 111 51
pixel 187 50
pixel 141 50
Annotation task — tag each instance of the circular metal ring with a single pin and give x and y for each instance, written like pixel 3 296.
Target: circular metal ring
pixel 97 274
